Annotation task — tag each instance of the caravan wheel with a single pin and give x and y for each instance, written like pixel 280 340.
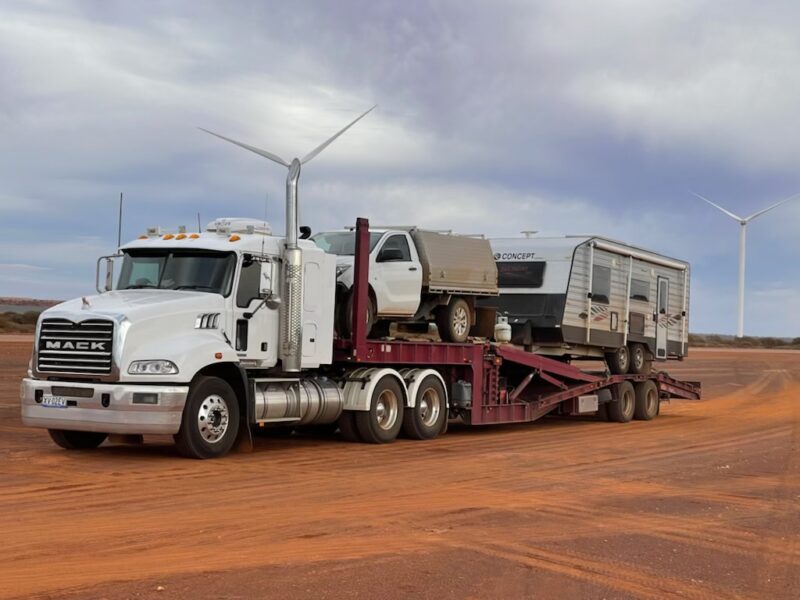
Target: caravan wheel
pixel 619 361
pixel 640 362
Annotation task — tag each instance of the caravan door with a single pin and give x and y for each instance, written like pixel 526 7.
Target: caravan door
pixel 662 318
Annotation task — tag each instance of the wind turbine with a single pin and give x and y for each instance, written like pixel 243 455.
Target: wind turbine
pixel 743 221
pixel 291 322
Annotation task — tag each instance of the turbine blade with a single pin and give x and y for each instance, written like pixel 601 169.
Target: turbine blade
pixel 769 208
pixel 259 151
pixel 717 206
pixel 308 157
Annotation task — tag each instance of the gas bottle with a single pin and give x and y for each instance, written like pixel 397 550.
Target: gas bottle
pixel 502 330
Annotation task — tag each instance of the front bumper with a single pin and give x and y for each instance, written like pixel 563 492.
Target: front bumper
pixel 85 410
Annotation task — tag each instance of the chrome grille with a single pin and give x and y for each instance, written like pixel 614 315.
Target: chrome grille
pixel 81 348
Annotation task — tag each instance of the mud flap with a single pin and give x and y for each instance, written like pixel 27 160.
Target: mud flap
pixel 244 439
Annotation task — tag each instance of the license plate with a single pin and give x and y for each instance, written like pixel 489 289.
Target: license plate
pixel 54 401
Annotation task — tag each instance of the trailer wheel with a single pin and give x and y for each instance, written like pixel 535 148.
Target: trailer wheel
pixel 640 364
pixel 382 422
pixel 77 440
pixel 454 321
pixel 647 401
pixel 619 361
pixel 210 419
pixel 624 405
pixel 425 420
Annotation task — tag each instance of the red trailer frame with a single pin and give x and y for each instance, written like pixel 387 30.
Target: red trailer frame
pixel 508 385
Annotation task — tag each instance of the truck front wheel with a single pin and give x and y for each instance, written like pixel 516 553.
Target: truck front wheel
pixel 77 440
pixel 454 321
pixel 210 419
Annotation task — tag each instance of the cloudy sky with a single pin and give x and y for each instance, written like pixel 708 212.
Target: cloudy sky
pixel 569 116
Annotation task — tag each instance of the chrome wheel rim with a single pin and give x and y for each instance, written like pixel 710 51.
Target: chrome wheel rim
pixel 430 405
pixel 386 409
pixel 213 418
pixel 460 321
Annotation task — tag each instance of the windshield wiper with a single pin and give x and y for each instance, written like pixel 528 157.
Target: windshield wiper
pixel 195 287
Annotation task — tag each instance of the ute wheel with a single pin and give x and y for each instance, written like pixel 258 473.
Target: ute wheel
pixel 346 316
pixel 77 440
pixel 454 321
pixel 621 410
pixel 647 401
pixel 426 420
pixel 382 422
pixel 619 361
pixel 640 363
pixel 210 419
pixel 347 426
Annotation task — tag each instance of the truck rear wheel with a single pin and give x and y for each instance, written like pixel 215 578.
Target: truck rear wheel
pixel 619 361
pixel 77 440
pixel 646 400
pixel 621 410
pixel 640 363
pixel 454 321
pixel 425 420
pixel 210 419
pixel 382 422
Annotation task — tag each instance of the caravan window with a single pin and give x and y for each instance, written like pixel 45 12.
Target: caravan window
pixel 601 284
pixel 520 274
pixel 640 290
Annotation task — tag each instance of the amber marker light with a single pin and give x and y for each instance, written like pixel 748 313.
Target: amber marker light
pixel 169 236
pixel 180 236
pixel 218 355
pixel 194 236
pixel 142 237
pixel 234 238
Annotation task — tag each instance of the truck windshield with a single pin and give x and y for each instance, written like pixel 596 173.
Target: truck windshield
pixel 177 270
pixel 343 243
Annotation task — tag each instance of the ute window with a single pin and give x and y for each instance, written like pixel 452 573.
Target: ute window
pixel 640 290
pixel 521 274
pixel 343 243
pixel 396 245
pixel 162 269
pixel 601 284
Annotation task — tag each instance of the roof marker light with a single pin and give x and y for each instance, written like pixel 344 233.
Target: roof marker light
pixel 194 236
pixel 180 236
pixel 168 236
pixel 234 238
pixel 142 237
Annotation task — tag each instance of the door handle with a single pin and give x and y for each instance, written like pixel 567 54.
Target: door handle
pixel 412 268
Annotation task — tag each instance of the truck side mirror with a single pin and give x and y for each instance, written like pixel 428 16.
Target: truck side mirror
pixel 390 255
pixel 108 276
pixel 266 289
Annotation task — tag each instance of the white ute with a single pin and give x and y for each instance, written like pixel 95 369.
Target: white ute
pixel 415 275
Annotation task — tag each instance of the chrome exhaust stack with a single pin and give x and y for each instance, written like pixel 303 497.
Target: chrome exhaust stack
pixel 291 347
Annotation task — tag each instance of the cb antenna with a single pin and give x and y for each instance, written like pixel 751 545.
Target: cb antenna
pixel 199 228
pixel 119 223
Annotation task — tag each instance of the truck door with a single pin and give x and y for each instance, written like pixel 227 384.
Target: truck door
pixel 397 276
pixel 255 323
pixel 662 317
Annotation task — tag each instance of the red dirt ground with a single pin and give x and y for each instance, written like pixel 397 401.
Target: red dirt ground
pixel 700 503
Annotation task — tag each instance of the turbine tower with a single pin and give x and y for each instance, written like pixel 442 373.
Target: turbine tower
pixel 743 221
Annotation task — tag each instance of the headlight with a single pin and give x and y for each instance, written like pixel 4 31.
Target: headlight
pixel 341 269
pixel 152 367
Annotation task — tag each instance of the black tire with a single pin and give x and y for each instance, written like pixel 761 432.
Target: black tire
pixel 640 362
pixel 602 411
pixel 619 361
pixel 210 419
pixel 426 420
pixel 454 321
pixel 347 426
pixel 622 408
pixel 647 401
pixel 77 440
pixel 382 422
pixel 325 430
pixel 346 316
